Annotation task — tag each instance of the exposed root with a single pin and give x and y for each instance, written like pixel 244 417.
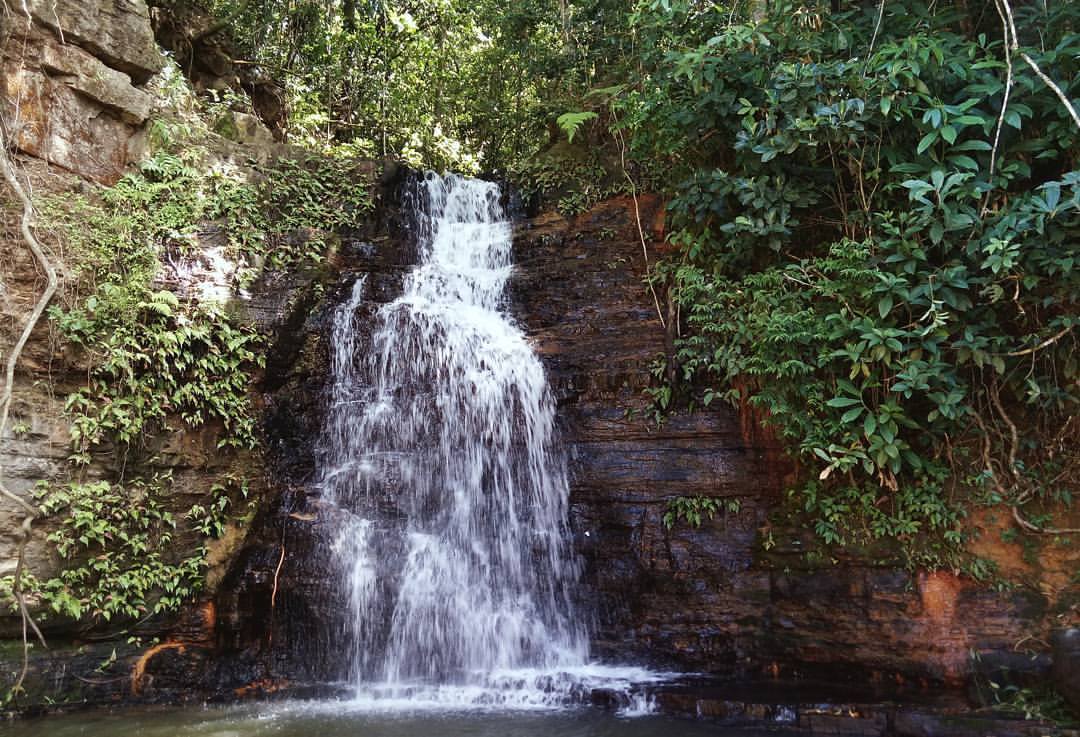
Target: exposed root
pixel 1031 527
pixel 30 513
pixel 637 218
pixel 139 669
pixel 1021 496
pixel 277 575
pixel 1048 342
pixel 274 590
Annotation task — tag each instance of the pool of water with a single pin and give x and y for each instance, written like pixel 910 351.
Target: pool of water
pixel 337 719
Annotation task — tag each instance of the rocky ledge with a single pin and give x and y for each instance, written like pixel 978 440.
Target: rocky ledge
pixel 72 73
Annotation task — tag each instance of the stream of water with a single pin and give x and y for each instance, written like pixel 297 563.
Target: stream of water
pixel 441 455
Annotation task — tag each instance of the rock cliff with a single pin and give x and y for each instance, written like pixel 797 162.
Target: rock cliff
pixel 713 598
pixel 71 103
pixel 72 76
pixel 75 106
pixel 709 599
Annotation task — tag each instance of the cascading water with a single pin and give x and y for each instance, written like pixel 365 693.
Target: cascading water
pixel 441 455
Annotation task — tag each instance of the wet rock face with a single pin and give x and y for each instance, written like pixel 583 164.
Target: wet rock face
pixel 712 599
pixel 71 76
pixel 279 610
pixel 1066 668
pixel 709 599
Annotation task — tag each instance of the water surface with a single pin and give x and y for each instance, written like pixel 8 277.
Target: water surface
pixel 330 719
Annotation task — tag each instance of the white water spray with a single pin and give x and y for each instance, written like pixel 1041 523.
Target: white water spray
pixel 441 454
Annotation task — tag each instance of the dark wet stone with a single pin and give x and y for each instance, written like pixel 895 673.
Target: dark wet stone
pixel 1066 668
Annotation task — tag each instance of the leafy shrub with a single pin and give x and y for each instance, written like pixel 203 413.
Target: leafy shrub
pixel 866 256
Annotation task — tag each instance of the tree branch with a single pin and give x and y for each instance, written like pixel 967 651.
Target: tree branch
pixel 222 24
pixel 1008 90
pixel 1035 67
pixel 1048 342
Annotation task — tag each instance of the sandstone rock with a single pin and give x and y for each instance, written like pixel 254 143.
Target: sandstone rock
pixel 245 129
pixel 57 122
pixel 705 599
pixel 86 74
pixel 116 31
pixel 68 90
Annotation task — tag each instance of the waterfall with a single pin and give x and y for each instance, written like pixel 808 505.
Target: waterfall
pixel 441 455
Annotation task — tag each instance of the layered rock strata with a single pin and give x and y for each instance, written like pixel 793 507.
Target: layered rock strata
pixel 72 76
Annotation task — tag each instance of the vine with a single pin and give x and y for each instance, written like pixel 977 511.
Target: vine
pixel 52 283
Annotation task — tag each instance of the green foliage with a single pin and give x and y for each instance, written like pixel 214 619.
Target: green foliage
pixel 1037 703
pixel 573 177
pixel 861 262
pixel 691 509
pixel 159 363
pixel 438 83
pixel 570 122
pixel 313 197
pixel 116 541
pixel 164 361
pixel 153 357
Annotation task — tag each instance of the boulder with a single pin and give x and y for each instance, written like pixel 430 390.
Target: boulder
pixel 117 32
pixel 86 74
pixel 244 128
pixel 53 119
pixel 69 84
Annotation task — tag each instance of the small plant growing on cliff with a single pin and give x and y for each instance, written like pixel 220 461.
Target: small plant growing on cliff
pixel 171 361
pixel 693 509
pixel 158 362
pixel 118 539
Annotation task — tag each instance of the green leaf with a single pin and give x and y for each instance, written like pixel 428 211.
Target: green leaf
pixel 843 402
pixel 972 145
pixel 571 122
pixel 937 231
pixel 851 415
pixel 869 425
pixel 964 162
pixel 885 305
pixel 927 141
